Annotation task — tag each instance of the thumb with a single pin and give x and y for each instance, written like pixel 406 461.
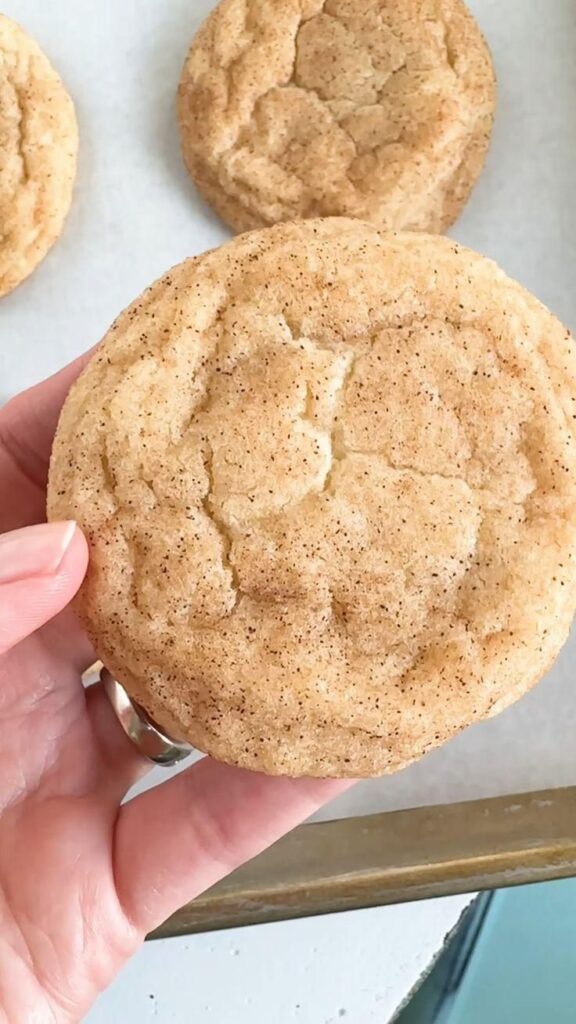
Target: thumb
pixel 41 568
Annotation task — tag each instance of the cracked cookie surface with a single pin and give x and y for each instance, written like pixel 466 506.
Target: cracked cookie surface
pixel 376 109
pixel 328 478
pixel 38 151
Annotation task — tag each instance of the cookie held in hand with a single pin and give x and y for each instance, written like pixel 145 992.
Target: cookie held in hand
pixel 377 109
pixel 39 144
pixel 328 477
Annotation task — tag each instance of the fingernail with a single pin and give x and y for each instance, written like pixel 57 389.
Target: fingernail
pixel 34 551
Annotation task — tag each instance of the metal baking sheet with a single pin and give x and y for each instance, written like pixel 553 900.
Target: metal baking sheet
pixel 136 213
pixel 354 863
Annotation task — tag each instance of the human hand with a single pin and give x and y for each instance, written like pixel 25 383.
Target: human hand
pixel 83 879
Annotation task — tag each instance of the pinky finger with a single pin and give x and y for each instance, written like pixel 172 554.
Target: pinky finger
pixel 177 840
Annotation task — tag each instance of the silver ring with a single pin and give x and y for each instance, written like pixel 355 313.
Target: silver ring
pixel 151 742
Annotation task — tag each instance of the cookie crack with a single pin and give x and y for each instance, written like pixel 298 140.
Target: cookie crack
pixel 107 472
pixel 336 452
pixel 25 177
pixel 448 49
pixel 221 527
pixel 399 467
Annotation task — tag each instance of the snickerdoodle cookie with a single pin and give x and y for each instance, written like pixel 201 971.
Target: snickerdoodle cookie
pixel 377 109
pixel 328 477
pixel 38 149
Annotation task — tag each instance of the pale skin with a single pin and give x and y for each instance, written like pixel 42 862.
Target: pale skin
pixel 82 879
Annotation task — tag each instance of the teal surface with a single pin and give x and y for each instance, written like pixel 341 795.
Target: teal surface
pixel 513 963
pixel 523 969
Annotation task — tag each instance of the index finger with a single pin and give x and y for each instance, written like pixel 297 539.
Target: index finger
pixel 219 818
